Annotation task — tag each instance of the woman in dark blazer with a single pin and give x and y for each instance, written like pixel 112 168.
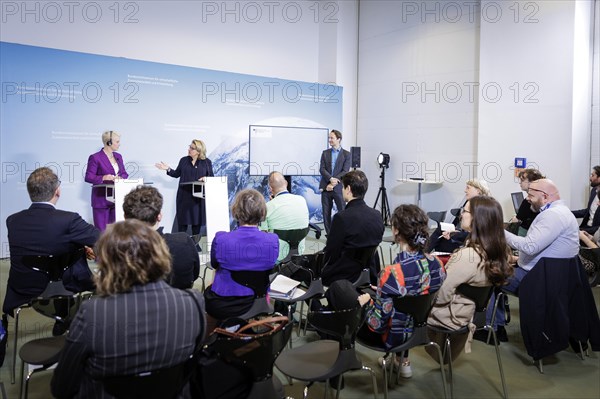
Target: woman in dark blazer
pixel 105 166
pixel 194 167
pixel 136 322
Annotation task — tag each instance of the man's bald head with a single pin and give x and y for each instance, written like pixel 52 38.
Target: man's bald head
pixel 277 183
pixel 542 192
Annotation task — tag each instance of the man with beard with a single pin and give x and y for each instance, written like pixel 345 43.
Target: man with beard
pixel 553 234
pixel 590 215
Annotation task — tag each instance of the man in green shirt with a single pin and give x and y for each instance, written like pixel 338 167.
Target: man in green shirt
pixel 285 211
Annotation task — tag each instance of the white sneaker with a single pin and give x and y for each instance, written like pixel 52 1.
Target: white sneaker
pixel 405 369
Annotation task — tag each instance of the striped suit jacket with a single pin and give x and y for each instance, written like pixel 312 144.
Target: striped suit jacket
pixel 152 327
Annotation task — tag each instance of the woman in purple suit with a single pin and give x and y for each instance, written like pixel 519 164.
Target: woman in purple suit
pixel 105 166
pixel 194 167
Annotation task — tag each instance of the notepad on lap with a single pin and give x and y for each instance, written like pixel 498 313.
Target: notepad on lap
pixel 447 227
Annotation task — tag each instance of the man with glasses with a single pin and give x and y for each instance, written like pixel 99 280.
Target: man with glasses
pixel 553 234
pixel 44 230
pixel 591 215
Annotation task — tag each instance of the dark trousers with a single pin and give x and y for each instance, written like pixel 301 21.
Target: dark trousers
pixel 327 200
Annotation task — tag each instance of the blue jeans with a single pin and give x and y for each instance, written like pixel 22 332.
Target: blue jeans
pixel 512 286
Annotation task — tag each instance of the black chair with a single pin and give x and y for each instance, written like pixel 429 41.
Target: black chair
pixel 311 285
pixel 54 267
pixel 362 256
pixel 255 355
pixel 437 216
pixel 481 297
pixel 324 359
pixel 293 238
pixel 258 281
pixel 163 383
pixel 44 352
pixel 418 307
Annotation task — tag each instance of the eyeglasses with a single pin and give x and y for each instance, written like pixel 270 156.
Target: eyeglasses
pixel 535 189
pixel 464 211
pixel 193 148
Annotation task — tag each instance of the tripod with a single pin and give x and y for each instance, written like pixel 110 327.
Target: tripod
pixel 385 205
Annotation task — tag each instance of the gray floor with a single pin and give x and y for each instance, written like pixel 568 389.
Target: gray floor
pixel 476 374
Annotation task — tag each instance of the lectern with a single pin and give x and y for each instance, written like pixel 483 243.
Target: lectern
pixel 214 192
pixel 116 192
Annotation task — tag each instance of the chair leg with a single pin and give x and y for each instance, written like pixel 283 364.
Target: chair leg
pixel 22 380
pixel 373 380
pixel 581 350
pixel 539 365
pixel 448 352
pixel 442 370
pixel 384 366
pixel 499 362
pixel 15 341
pixel 499 296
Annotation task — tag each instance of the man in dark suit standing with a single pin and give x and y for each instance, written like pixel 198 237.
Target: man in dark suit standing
pixel 145 203
pixel 44 230
pixel 335 163
pixel 357 226
pixel 591 214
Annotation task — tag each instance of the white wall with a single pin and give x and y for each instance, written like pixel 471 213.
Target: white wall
pixel 415 68
pixel 539 56
pixel 505 48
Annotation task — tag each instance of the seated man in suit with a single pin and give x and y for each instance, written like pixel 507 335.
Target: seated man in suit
pixel 591 214
pixel 357 226
pixel 145 203
pixel 285 211
pixel 44 230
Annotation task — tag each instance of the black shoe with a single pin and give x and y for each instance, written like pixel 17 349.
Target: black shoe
pixel 501 334
pixel 59 328
pixel 482 335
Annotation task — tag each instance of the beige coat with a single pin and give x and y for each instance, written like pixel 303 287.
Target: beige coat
pixel 452 310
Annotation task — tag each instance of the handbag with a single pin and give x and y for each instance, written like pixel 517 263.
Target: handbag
pixel 254 329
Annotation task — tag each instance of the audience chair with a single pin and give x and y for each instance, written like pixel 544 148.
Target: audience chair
pixel 418 307
pixel 293 238
pixel 324 359
pixel 312 286
pixel 54 267
pixel 163 383
pixel 556 292
pixel 481 297
pixel 255 355
pixel 258 281
pixel 437 216
pixel 362 256
pixel 44 352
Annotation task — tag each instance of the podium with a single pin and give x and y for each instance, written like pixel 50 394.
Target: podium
pixel 116 192
pixel 214 192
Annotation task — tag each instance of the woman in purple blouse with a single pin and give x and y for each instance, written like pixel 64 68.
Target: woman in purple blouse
pixel 245 248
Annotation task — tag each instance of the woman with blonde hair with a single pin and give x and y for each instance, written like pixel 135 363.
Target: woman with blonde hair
pixel 105 166
pixel 137 322
pixel 193 167
pixel 446 241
